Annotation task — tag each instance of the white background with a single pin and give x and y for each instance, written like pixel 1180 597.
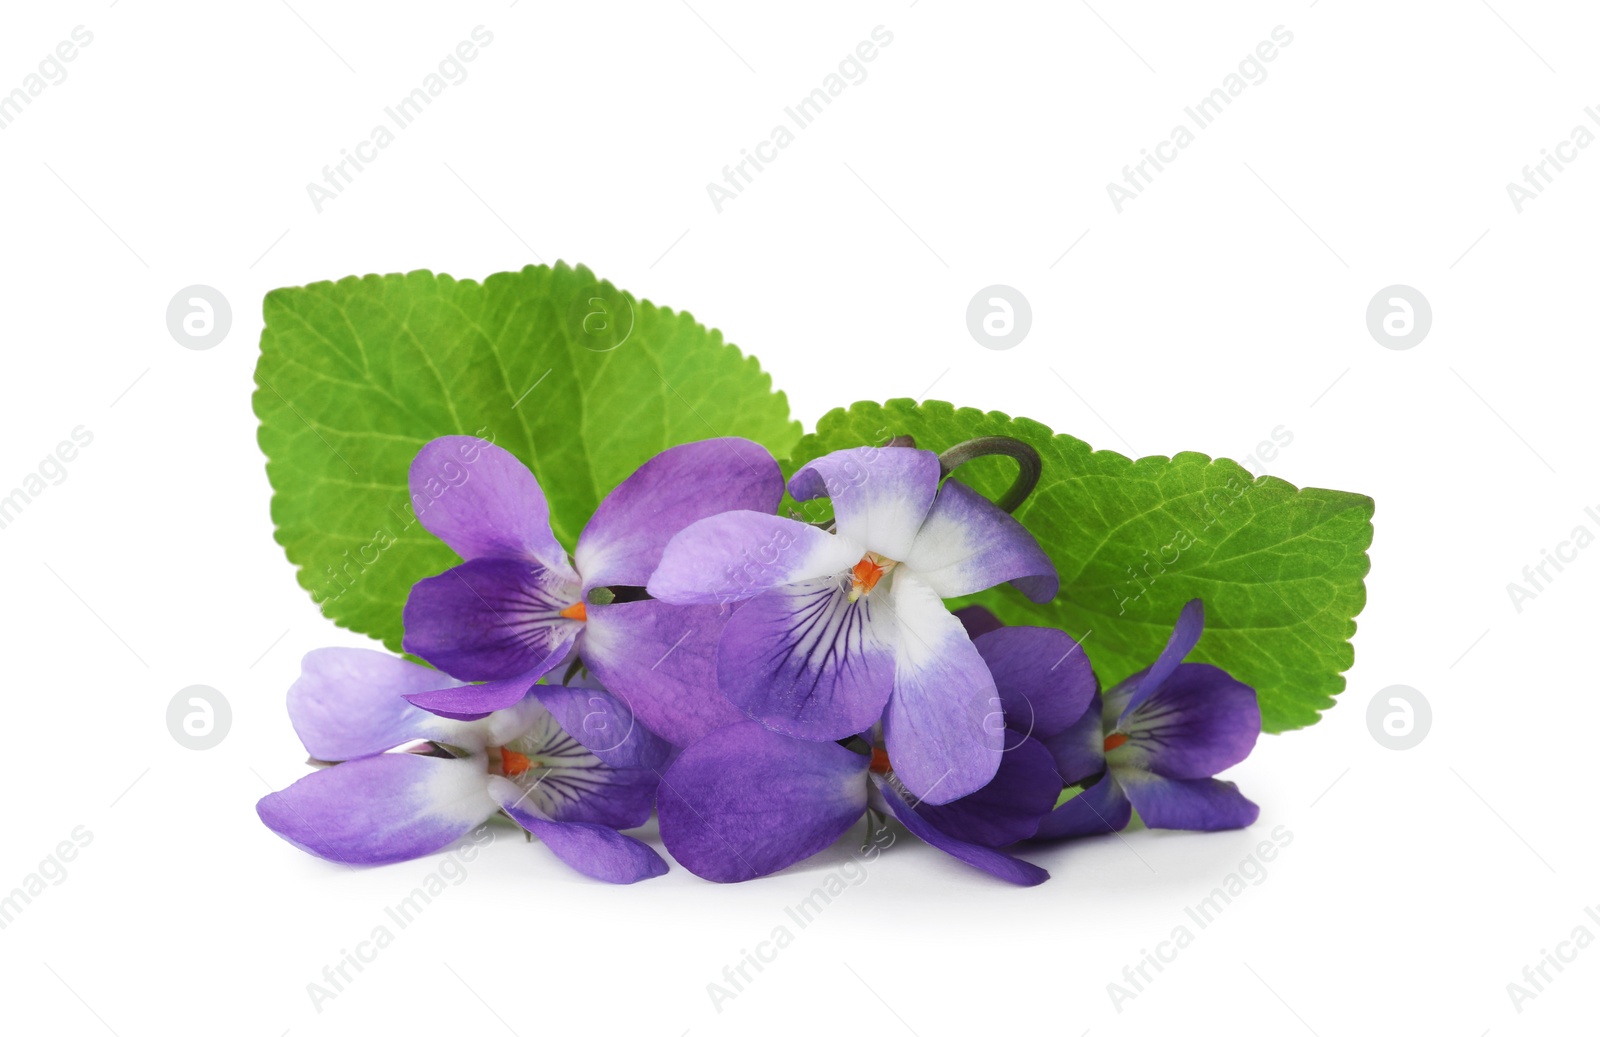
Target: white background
pixel 1227 300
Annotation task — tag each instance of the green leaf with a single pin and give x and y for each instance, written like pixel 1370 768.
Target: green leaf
pixel 578 379
pixel 1280 569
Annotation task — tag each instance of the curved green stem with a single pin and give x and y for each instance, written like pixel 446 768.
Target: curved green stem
pixel 1029 465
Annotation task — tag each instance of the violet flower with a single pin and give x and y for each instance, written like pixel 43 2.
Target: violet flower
pixel 516 607
pixel 567 764
pixel 835 630
pixel 746 801
pixel 1154 744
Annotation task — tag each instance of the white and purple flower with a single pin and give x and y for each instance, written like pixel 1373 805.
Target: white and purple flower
pixel 834 631
pixel 516 608
pixel 568 764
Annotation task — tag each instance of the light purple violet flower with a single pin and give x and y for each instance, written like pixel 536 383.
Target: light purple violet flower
pixel 516 607
pixel 567 764
pixel 746 801
pixel 1153 745
pixel 834 630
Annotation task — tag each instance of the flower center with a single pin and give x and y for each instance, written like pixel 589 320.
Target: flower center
pixel 1115 739
pixel 513 763
pixel 576 611
pixel 880 761
pixel 867 572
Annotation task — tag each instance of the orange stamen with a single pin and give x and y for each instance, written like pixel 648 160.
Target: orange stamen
pixel 1115 739
pixel 514 763
pixel 880 761
pixel 576 611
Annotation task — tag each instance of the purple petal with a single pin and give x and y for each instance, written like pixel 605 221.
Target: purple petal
pixel 623 542
pixel 483 502
pixel 805 660
pixel 1009 808
pixel 880 495
pixel 1100 809
pixel 381 809
pixel 746 802
pixel 1044 679
pixel 661 660
pixel 603 724
pixel 944 727
pixel 594 850
pixel 349 702
pixel 978 620
pixel 1185 635
pixel 1079 751
pixel 739 554
pixel 1199 722
pixel 561 777
pixel 491 619
pixel 472 701
pixel 1201 805
pixel 967 544
pixel 1000 865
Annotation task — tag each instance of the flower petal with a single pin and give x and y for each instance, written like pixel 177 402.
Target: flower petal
pixel 1199 722
pixel 880 495
pixel 745 802
pixel 1202 805
pixel 483 502
pixel 471 701
pixel 1009 808
pixel 1043 678
pixel 491 619
pixel 967 544
pixel 1000 865
pixel 623 542
pixel 381 809
pixel 349 702
pixel 561 777
pixel 805 660
pixel 978 620
pixel 594 850
pixel 661 660
pixel 1099 809
pixel 944 727
pixel 1079 750
pixel 1185 635
pixel 739 554
pixel 603 724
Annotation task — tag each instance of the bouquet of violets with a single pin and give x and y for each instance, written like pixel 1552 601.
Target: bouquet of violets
pixel 760 674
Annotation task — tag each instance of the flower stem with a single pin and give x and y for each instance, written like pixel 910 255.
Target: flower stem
pixel 1029 464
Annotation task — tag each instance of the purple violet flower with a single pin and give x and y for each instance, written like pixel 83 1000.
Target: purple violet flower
pixel 1155 743
pixel 516 608
pixel 746 801
pixel 834 631
pixel 568 764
